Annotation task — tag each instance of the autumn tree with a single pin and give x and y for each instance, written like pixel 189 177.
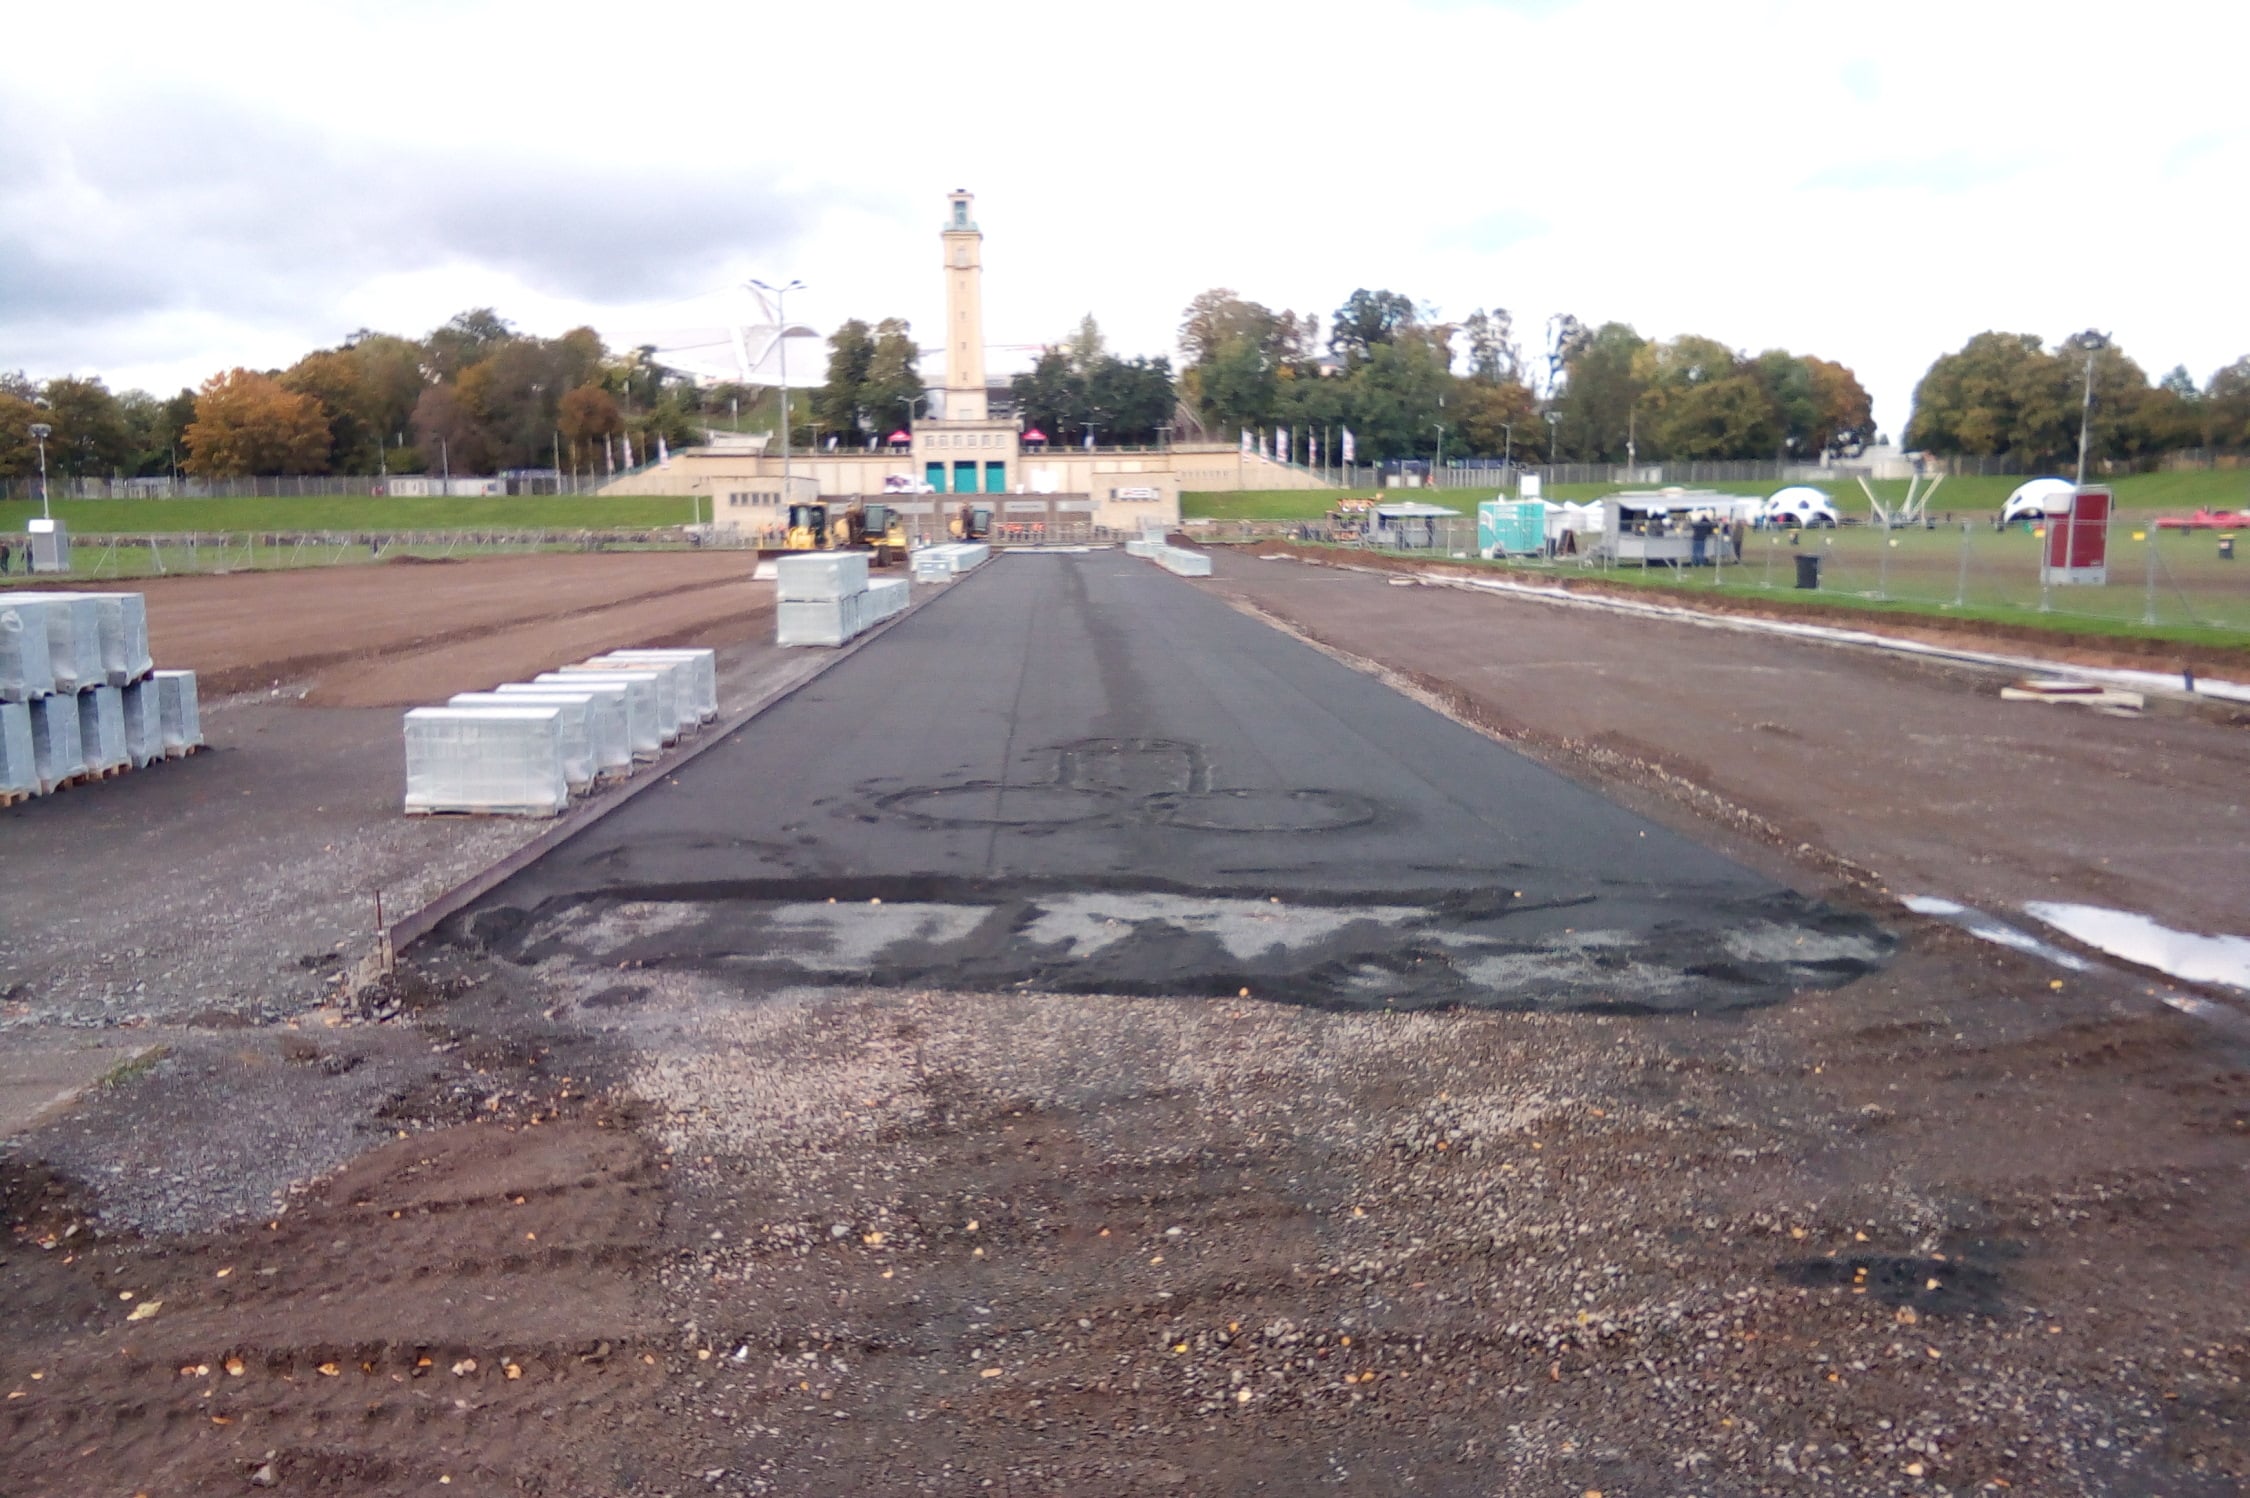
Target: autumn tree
pixel 247 423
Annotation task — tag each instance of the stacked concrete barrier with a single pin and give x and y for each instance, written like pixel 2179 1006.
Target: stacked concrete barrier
pixel 1180 562
pixel 504 761
pixel 575 723
pixel 703 671
pixel 820 598
pixel 525 747
pixel 887 598
pixel 78 667
pixel 608 744
pixel 19 763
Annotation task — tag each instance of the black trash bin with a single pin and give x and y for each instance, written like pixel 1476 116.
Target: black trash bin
pixel 2226 548
pixel 1808 569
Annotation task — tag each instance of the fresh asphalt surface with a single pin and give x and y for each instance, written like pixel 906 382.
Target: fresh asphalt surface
pixel 1075 771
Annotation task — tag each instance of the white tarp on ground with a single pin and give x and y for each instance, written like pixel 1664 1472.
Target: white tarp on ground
pixel 101 728
pixel 144 722
pixel 817 576
pixel 19 764
pixel 608 743
pixel 706 673
pixel 57 751
pixel 178 710
pixel 683 685
pixel 27 669
pixel 663 701
pixel 644 732
pixel 576 727
pixel 495 760
pixel 74 636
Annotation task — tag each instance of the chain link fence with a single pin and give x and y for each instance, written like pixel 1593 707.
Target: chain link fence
pixel 2157 577
pixel 189 553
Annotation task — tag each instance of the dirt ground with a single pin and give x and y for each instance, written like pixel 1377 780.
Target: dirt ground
pixel 1967 1224
pixel 412 631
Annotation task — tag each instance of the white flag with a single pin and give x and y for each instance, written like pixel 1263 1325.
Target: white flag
pixel 1350 453
pixel 663 454
pixel 1288 444
pixel 628 449
pixel 609 452
pixel 1246 440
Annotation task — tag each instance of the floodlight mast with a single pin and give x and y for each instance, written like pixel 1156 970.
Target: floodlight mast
pixel 40 432
pixel 781 316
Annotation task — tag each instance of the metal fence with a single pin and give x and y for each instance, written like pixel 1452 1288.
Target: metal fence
pixel 306 486
pixel 188 553
pixel 2164 578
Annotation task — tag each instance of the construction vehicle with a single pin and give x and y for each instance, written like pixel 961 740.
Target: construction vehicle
pixel 970 523
pixel 815 525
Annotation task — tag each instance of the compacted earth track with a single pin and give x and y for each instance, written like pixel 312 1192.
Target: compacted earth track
pixel 1088 1040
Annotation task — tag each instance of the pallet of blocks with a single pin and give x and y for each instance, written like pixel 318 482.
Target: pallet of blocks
pixel 653 689
pixel 705 672
pixel 87 705
pixel 575 722
pixel 820 598
pixel 490 761
pixel 644 734
pixel 1180 562
pixel 682 684
pixel 609 743
pixel 948 560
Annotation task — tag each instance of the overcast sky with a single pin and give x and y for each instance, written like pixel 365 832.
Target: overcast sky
pixel 186 188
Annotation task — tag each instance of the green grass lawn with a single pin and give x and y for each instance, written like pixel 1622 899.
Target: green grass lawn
pixel 96 517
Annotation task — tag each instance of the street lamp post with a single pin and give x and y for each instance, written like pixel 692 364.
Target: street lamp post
pixel 40 432
pixel 2094 343
pixel 1437 453
pixel 781 317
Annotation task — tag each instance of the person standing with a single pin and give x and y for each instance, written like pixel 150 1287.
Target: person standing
pixel 5 554
pixel 1700 530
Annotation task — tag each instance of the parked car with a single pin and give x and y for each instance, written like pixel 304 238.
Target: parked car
pixel 1797 508
pixel 2029 501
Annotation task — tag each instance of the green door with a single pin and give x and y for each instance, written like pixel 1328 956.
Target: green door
pixel 933 474
pixel 965 476
pixel 995 478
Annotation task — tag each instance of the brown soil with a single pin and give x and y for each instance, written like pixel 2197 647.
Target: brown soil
pixel 399 634
pixel 2084 648
pixel 1897 775
pixel 1951 1228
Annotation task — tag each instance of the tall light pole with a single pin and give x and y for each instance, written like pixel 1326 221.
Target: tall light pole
pixel 2093 343
pixel 1554 423
pixel 1437 453
pixel 40 432
pixel 780 296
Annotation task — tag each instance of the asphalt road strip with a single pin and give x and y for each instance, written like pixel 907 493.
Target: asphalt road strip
pixel 1075 773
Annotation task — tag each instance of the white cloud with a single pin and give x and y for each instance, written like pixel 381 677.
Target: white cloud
pixel 1874 183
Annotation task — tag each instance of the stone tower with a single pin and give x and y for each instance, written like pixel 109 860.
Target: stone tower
pixel 964 310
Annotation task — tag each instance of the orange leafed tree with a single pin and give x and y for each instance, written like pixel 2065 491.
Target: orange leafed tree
pixel 246 423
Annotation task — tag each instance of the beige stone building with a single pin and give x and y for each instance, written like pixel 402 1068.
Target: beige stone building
pixel 963 455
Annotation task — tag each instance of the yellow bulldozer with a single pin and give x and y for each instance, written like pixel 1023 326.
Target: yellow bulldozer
pixel 816 525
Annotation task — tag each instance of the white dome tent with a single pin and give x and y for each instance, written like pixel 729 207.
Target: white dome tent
pixel 2034 497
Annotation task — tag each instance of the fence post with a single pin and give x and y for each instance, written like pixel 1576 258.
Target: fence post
pixel 1961 582
pixel 1883 566
pixel 2148 606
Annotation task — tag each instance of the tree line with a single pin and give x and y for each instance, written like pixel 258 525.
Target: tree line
pixel 1408 383
pixel 474 396
pixel 2008 395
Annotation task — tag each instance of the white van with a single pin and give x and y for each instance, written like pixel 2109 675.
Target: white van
pixel 1796 508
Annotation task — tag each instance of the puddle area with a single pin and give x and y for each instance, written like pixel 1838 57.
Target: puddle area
pixel 2221 960
pixel 1999 932
pixel 2187 955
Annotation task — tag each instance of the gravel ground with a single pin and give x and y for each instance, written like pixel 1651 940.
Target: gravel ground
pixel 600 1222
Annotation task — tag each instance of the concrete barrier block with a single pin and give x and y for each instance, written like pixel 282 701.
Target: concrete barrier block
pixel 179 712
pixel 491 761
pixel 817 576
